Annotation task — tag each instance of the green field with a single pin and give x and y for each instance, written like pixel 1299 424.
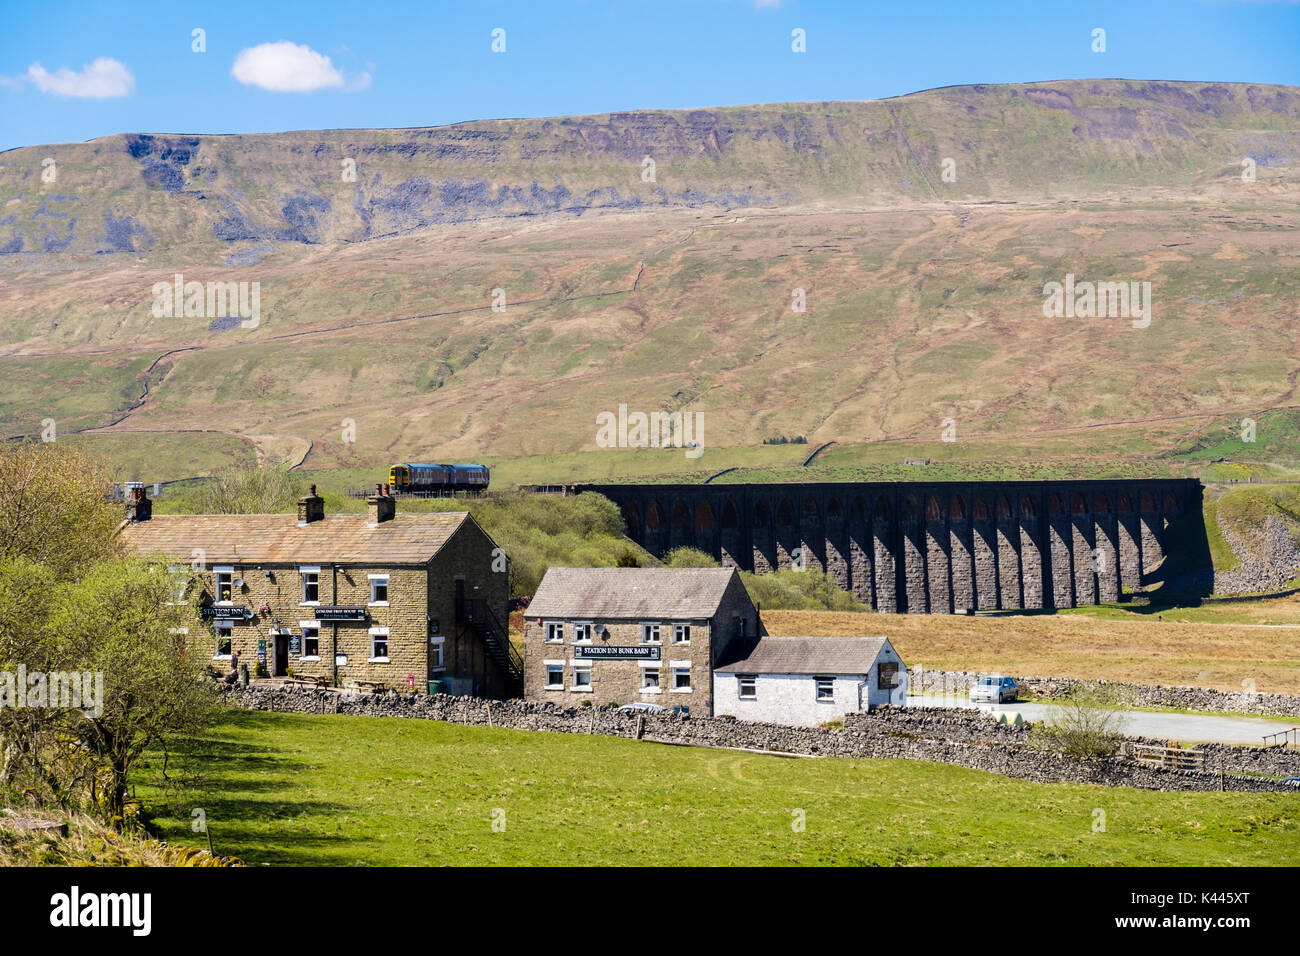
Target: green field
pixel 289 789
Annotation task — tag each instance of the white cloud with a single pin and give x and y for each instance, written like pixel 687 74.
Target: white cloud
pixel 103 79
pixel 285 67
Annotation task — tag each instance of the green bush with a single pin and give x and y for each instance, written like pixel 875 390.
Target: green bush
pixel 689 558
pixel 790 590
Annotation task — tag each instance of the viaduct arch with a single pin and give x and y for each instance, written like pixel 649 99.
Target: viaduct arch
pixel 941 548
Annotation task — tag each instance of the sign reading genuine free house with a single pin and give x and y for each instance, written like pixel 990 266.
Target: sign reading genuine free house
pixel 340 612
pixel 608 652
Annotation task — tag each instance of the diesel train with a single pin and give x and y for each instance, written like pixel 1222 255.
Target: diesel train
pixel 409 479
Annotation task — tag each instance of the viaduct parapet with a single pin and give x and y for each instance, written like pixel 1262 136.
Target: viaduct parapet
pixel 937 548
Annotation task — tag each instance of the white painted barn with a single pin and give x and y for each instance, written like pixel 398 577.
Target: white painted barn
pixel 806 681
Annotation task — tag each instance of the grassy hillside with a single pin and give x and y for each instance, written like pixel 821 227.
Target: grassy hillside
pixel 377 339
pixel 289 789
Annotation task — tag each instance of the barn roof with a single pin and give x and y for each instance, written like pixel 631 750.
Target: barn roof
pixel 808 655
pixel 408 538
pixel 631 593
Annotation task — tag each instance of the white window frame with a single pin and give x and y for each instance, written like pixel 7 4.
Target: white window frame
pixel 375 581
pixel 674 668
pixel 217 572
pixel 556 627
pixel 551 665
pixel 576 668
pixel 648 628
pixel 682 627
pixel 379 632
pixel 217 628
pixel 579 627
pixel 752 681
pixel 303 571
pixel 304 627
pixel 438 645
pixel 829 698
pixel 658 687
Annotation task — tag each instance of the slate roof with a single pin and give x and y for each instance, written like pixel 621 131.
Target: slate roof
pixel 410 538
pixel 641 594
pixel 808 655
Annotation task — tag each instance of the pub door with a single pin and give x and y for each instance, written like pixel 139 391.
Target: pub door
pixel 280 655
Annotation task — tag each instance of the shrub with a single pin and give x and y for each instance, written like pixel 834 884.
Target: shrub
pixel 1088 725
pixel 790 590
pixel 688 558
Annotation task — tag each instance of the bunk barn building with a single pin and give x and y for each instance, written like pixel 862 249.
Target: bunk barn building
pixel 627 635
pixel 807 681
pixel 377 599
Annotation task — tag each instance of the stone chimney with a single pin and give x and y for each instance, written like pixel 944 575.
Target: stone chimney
pixel 380 506
pixel 311 507
pixel 138 505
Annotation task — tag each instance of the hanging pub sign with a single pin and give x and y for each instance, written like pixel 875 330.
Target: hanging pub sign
pixel 224 613
pixel 340 612
pixel 608 652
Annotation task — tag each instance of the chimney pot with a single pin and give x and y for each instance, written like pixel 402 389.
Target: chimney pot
pixel 311 508
pixel 138 506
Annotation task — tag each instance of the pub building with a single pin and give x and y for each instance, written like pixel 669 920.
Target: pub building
pixel 626 635
pixel 377 600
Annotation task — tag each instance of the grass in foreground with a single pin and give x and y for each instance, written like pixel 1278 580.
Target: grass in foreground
pixel 290 789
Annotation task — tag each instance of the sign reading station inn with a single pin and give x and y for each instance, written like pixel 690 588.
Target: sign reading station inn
pixel 605 652
pixel 340 612
pixel 224 613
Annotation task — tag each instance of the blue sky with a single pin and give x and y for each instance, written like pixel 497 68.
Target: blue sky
pixel 129 66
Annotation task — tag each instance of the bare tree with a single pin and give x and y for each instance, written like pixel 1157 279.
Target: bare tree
pixel 1089 724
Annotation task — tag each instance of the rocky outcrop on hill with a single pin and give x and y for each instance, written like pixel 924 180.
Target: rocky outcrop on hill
pixel 1268 558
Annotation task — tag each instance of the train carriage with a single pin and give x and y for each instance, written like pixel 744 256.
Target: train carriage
pixel 408 478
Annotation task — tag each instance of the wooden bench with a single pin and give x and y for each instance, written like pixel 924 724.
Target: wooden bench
pixel 374 686
pixel 307 680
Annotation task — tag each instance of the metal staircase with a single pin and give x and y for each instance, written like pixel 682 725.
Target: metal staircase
pixel 475 615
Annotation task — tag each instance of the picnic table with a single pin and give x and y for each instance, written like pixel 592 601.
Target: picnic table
pixel 374 686
pixel 309 680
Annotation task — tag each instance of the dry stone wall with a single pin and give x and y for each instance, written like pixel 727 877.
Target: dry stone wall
pixel 967 739
pixel 958 683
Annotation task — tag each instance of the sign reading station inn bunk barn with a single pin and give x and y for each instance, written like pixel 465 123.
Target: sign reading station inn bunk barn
pixel 620 653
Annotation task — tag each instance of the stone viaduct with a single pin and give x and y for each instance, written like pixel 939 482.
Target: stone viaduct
pixel 938 547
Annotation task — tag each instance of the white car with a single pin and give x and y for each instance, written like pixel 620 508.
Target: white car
pixel 994 689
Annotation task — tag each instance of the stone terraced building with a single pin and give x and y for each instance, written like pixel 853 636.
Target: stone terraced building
pixel 628 635
pixel 385 599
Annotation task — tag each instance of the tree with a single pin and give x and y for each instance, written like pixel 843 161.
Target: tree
pixel 118 622
pixel 1089 724
pixel 54 507
pixel 248 489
